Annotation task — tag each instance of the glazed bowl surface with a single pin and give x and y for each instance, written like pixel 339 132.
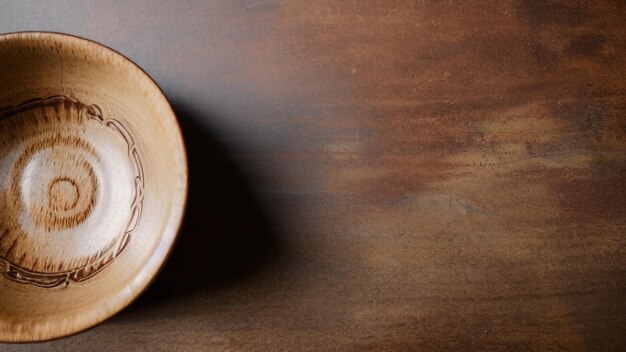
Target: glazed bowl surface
pixel 93 183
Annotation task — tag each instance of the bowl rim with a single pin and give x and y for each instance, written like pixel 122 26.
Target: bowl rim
pixel 131 290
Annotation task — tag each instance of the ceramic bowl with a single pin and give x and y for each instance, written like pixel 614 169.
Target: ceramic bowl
pixel 93 182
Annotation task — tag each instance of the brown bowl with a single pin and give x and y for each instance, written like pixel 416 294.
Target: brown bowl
pixel 93 182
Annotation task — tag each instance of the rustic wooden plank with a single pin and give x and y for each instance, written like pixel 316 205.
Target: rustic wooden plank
pixel 370 175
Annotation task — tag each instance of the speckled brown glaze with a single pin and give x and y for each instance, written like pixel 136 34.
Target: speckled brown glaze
pixel 56 168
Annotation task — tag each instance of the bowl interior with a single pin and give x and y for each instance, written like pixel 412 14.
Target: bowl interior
pixel 92 184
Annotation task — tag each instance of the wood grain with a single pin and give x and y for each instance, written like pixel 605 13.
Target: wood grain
pixel 388 176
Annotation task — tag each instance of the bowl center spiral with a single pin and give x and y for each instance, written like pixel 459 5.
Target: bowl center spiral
pixel 63 194
pixel 55 180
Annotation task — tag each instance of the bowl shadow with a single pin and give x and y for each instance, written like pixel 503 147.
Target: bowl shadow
pixel 226 235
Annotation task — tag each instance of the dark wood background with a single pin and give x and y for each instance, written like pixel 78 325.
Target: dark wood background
pixel 380 175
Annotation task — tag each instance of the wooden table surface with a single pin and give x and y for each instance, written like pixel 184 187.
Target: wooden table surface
pixel 379 175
